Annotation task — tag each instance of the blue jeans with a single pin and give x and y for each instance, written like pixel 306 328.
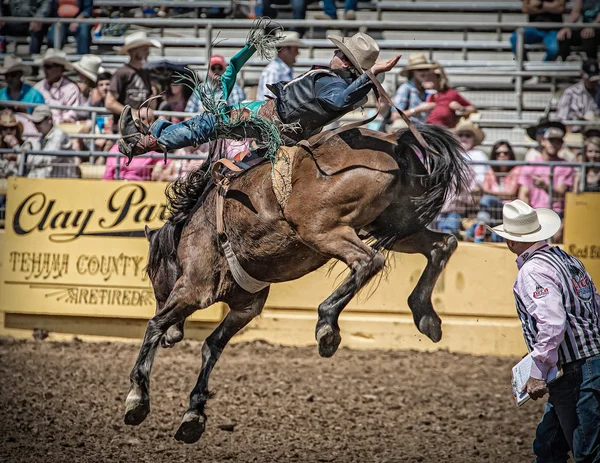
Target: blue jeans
pixel 83 37
pixel 195 131
pixel 330 10
pixel 533 36
pixel 448 222
pixel 572 416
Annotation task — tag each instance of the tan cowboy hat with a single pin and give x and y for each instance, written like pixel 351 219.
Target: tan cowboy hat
pixel 14 63
pixel 417 61
pixel 465 125
pixel 291 39
pixel 9 120
pixel 136 40
pixel 361 49
pixel 40 113
pixel 88 66
pixel 521 222
pixel 53 55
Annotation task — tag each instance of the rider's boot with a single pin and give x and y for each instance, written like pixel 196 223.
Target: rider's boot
pixel 135 138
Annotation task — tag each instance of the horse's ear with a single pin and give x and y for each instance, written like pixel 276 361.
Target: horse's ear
pixel 147 232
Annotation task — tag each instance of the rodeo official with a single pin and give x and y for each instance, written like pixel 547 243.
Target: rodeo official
pixel 559 309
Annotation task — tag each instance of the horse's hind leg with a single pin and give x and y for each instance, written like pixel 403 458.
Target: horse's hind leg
pixel 181 303
pixel 364 262
pixel 241 313
pixel 437 248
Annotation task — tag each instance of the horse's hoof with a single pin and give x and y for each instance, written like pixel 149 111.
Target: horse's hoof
pixel 329 340
pixel 136 410
pixel 431 327
pixel 191 428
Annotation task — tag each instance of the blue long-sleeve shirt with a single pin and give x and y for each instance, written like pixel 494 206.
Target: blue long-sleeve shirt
pixel 337 94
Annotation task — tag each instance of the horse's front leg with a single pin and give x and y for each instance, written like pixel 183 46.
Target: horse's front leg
pixel 241 313
pixel 437 248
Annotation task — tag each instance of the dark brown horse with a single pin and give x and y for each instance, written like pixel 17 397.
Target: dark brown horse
pixel 358 180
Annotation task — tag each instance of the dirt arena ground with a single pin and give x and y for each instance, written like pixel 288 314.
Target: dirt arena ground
pixel 63 402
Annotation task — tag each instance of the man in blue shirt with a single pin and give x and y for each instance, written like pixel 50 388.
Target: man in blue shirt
pixel 301 109
pixel 13 72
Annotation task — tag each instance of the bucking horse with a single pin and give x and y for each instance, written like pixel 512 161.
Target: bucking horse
pixel 352 198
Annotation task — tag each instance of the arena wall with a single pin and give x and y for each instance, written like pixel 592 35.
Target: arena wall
pixel 473 295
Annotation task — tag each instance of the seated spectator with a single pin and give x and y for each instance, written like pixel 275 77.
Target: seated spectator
pixel 455 208
pixel 34 29
pixel 79 9
pixel 449 104
pixel 13 71
pixel 580 100
pixel 131 84
pixel 101 89
pixel 138 170
pixel 57 89
pixel 330 11
pixel 470 136
pixel 411 95
pixel 536 133
pixel 541 11
pixel 298 12
pixel 175 99
pixel 587 38
pixel 591 153
pixel 533 179
pixel 280 69
pixel 500 185
pixel 52 139
pixel 87 70
pixel 104 122
pixel 11 137
pixel 216 69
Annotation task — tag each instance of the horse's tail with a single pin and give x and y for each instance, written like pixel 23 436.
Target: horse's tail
pixel 447 171
pixel 184 196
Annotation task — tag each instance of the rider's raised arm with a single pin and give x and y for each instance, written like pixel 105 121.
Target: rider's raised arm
pixel 337 95
pixel 235 65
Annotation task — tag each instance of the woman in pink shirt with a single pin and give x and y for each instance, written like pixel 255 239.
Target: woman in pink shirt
pixel 139 170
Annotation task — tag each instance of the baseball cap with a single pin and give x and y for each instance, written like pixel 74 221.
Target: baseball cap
pixel 40 113
pixel 553 132
pixel 217 59
pixel 591 68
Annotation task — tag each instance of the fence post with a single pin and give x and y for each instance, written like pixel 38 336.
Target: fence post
pixel 93 140
pixel 551 187
pixel 519 77
pixel 57 35
pixel 118 166
pixel 22 162
pixel 582 178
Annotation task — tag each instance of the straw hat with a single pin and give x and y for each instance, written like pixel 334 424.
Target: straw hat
pixel 521 222
pixel 136 40
pixel 9 120
pixel 544 123
pixel 361 49
pixel 291 39
pixel 53 55
pixel 417 61
pixel 88 66
pixel 14 63
pixel 465 125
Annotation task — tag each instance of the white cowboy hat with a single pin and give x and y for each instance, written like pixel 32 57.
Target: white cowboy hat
pixel 88 66
pixel 361 49
pixel 291 39
pixel 136 40
pixel 53 55
pixel 521 222
pixel 417 61
pixel 14 63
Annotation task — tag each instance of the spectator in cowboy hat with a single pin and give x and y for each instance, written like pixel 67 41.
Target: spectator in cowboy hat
pixel 470 135
pixel 87 69
pixel 580 101
pixel 411 95
pixel 57 89
pixel 13 71
pixel 131 84
pixel 281 68
pixel 536 133
pixel 559 309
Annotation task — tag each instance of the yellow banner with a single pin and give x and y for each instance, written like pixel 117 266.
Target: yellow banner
pixel 77 247
pixel 582 230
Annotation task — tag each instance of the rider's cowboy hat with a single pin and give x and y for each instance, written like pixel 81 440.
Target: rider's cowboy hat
pixel 417 61
pixel 88 66
pixel 521 222
pixel 291 39
pixel 465 125
pixel 360 49
pixel 54 56
pixel 9 120
pixel 136 40
pixel 14 63
pixel 544 123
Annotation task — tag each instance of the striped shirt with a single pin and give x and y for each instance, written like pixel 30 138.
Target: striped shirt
pixel 576 102
pixel 276 71
pixel 558 306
